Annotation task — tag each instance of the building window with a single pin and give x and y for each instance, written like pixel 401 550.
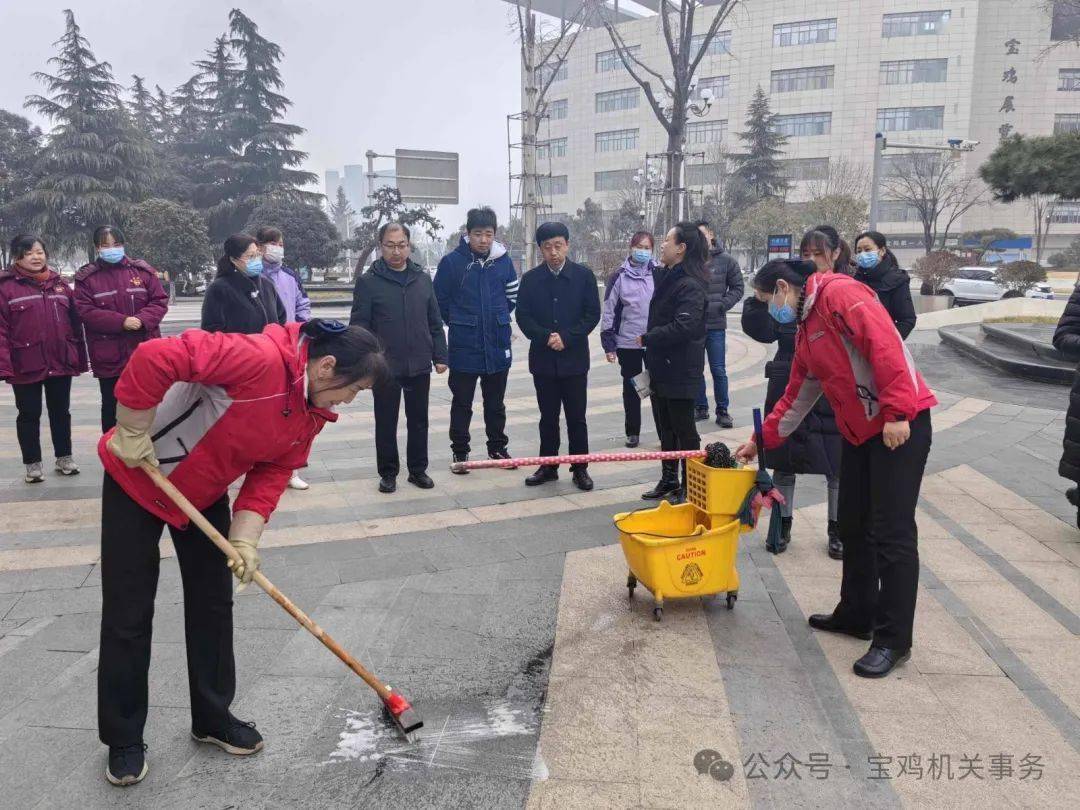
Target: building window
pixel 705 174
pixel 810 32
pixel 902 119
pixel 607 61
pixel 545 71
pixel 699 132
pixel 1066 122
pixel 914 164
pixel 914 24
pixel 1069 79
pixel 615 180
pixel 808 78
pixel 556 148
pixel 803 124
pixel 552 185
pixel 897 211
pixel 615 100
pixel 805 168
pixel 915 71
pixel 718 85
pixel 617 140
pixel 1066 212
pixel 720 44
pixel 558 110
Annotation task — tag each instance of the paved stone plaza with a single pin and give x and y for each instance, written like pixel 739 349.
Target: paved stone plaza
pixel 502 613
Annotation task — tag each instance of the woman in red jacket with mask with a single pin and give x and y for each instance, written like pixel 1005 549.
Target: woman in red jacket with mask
pixel 41 349
pixel 847 349
pixel 207 409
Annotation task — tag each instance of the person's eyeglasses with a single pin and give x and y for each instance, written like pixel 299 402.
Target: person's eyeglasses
pixel 395 245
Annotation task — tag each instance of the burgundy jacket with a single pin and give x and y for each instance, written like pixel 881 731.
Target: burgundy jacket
pixel 40 331
pixel 105 295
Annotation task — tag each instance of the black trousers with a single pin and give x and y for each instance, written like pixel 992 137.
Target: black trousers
pixel 493 390
pixel 568 394
pixel 631 362
pixel 676 427
pixel 108 402
pixel 387 406
pixel 129 575
pixel 879 490
pixel 57 395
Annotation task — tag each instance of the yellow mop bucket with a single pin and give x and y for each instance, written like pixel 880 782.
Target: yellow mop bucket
pixel 671 552
pixel 718 492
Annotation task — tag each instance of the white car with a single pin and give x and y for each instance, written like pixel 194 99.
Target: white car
pixel 977 285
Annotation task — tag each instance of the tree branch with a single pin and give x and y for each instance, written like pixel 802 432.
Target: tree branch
pixel 721 16
pixel 658 110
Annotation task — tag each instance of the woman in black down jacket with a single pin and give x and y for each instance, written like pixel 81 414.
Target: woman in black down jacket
pixel 879 270
pixel 240 299
pixel 816 445
pixel 1067 341
pixel 674 343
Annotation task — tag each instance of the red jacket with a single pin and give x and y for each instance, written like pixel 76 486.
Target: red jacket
pixel 40 333
pixel 106 295
pixel 228 405
pixel 848 349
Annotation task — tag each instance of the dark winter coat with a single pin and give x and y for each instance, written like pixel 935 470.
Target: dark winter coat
pixel 567 303
pixel 237 302
pixel 816 445
pixel 1067 341
pixel 725 288
pixel 893 288
pixel 40 331
pixel 675 339
pixel 108 294
pixel 476 296
pixel 401 309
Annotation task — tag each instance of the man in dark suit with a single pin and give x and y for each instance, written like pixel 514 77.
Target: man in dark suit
pixel 558 306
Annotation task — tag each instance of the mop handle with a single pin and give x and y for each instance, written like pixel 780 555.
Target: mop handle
pixel 758 439
pixel 584 458
pixel 204 525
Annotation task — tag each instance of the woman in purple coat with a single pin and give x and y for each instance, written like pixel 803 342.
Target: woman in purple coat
pixel 41 349
pixel 121 303
pixel 626 312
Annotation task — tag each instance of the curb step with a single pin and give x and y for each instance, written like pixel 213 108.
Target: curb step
pixel 1025 353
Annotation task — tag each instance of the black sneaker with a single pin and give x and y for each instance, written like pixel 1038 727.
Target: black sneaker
pixel 460 458
pixel 500 455
pixel 127 765
pixel 724 420
pixel 239 738
pixel 701 414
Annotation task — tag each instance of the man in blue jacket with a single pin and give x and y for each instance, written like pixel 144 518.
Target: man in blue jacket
pixel 558 307
pixel 476 285
pixel 725 291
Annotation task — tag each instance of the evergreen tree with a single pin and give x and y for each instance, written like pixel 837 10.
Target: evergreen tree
pixel 20 145
pixel 162 111
pixel 759 167
pixel 141 106
pixel 94 165
pixel 342 213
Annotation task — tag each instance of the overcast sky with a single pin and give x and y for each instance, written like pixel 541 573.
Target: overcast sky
pixel 362 74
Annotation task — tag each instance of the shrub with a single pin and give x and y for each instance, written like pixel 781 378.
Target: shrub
pixel 1017 277
pixel 935 269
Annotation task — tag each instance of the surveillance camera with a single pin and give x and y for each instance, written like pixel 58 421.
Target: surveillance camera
pixel 962 144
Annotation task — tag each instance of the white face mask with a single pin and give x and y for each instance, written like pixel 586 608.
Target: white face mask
pixel 274 253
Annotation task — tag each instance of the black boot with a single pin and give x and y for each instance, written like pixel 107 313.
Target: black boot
pixel 836 545
pixel 542 476
pixel 667 486
pixel 785 533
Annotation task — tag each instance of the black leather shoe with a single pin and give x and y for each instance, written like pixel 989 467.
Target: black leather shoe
pixel 665 486
pixel 701 414
pixel 501 455
pixel 632 441
pixel 542 476
pixel 836 545
pixel 826 622
pixel 724 420
pixel 460 458
pixel 582 480
pixel 387 484
pixel 422 480
pixel 879 661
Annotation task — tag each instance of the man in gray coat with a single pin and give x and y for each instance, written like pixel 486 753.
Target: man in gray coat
pixel 725 291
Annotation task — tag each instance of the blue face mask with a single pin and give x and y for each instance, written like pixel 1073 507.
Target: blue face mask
pixel 254 267
pixel 868 259
pixel 640 256
pixel 784 313
pixel 112 255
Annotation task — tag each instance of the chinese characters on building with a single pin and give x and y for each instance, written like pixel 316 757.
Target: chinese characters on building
pixel 1009 76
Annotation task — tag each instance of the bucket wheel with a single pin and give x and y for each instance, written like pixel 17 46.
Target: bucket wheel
pixel 658 612
pixel 731 597
pixel 631 583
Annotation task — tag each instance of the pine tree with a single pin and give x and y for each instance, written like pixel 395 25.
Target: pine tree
pixel 94 165
pixel 20 146
pixel 164 119
pixel 759 167
pixel 342 213
pixel 141 106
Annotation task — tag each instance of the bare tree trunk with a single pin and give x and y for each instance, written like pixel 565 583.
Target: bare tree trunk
pixel 928 238
pixel 529 128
